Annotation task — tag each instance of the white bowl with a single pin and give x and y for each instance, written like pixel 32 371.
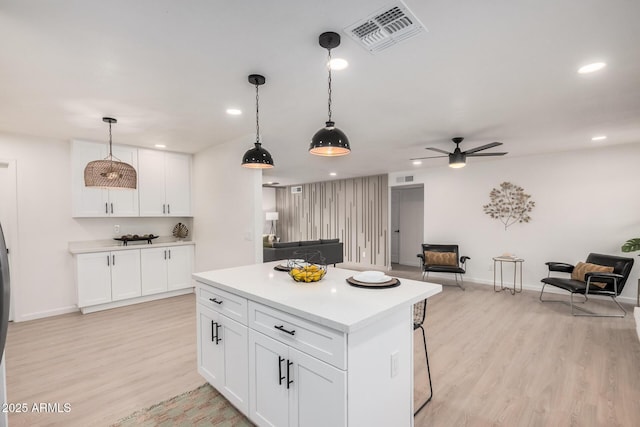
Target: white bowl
pixel 372 278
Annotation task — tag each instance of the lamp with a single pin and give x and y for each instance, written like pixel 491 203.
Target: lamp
pixel 457 159
pixel 329 141
pixel 273 217
pixel 257 157
pixel 110 172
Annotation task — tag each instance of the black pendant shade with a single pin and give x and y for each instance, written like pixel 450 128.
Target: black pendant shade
pixel 257 157
pixel 329 141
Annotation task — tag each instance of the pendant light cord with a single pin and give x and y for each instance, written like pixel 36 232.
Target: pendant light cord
pixel 110 152
pixel 329 66
pixel 257 116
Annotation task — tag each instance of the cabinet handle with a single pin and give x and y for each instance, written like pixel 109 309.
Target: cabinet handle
pixel 213 331
pixel 163 209
pixel 111 207
pixel 165 254
pixel 108 263
pixel 281 328
pixel 113 260
pixel 106 208
pixel 169 208
pixel 280 377
pixel 218 339
pixel 169 253
pixel 289 382
pixel 215 300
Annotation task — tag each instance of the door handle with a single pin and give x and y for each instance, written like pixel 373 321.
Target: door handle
pixel 108 263
pixel 113 260
pixel 169 253
pixel 163 208
pixel 396 231
pixel 213 331
pixel 218 339
pixel 165 254
pixel 289 382
pixel 111 207
pixel 281 328
pixel 106 207
pixel 280 377
pixel 168 208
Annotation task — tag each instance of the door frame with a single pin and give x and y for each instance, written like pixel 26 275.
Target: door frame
pixel 10 223
pixel 392 190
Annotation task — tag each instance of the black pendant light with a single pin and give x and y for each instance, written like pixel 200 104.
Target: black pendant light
pixel 257 157
pixel 110 172
pixel 329 141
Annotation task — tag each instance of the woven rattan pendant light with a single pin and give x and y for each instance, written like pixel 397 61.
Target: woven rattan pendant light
pixel 110 172
pixel 257 157
pixel 329 141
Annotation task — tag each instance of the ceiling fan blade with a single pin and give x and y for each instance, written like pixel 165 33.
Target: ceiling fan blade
pixel 485 154
pixel 483 147
pixel 438 150
pixel 432 157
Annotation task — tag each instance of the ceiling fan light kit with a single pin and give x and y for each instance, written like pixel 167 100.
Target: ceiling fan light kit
pixel 458 159
pixel 329 141
pixel 257 157
pixel 110 173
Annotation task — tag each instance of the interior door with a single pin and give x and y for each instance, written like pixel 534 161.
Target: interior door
pixel 411 218
pixel 395 226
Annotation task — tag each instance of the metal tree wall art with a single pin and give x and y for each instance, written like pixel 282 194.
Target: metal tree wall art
pixel 509 204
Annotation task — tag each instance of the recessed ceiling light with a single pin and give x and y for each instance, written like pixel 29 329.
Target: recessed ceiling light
pixel 333 174
pixel 160 146
pixel 338 64
pixel 590 68
pixel 599 138
pixel 417 162
pixel 234 111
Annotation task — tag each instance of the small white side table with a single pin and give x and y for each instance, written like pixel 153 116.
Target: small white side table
pixel 517 262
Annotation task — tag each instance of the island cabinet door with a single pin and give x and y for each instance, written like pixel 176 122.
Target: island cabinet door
pixel 268 387
pixel 210 347
pixel 233 337
pixel 318 393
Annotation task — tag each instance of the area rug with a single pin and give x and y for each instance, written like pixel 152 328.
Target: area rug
pixel 201 407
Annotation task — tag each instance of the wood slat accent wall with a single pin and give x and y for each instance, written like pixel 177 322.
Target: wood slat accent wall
pixel 354 210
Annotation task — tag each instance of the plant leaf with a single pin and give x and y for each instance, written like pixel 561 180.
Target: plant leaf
pixel 631 245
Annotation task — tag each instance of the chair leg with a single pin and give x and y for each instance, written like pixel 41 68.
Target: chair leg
pixel 461 282
pixel 426 355
pixel 584 311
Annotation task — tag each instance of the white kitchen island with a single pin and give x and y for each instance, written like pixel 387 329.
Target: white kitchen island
pixel 308 354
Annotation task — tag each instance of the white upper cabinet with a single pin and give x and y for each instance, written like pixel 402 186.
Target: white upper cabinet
pixel 98 202
pixel 164 182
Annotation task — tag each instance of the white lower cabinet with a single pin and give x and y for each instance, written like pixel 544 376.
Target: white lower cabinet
pixel 166 269
pixel 291 388
pixel 104 277
pixel 119 277
pixel 222 355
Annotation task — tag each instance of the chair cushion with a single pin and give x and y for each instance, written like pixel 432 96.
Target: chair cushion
pixel 440 258
pixel 582 268
pixel 443 269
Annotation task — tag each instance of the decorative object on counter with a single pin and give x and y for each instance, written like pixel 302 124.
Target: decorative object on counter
pixel 135 238
pixel 329 141
pixel 307 266
pixel 110 172
pixel 180 231
pixel 257 157
pixel 509 204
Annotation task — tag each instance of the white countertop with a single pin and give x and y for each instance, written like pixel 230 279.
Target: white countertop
pixel 331 302
pixel 89 246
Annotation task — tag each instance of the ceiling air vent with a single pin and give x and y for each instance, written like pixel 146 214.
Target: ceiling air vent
pixel 386 27
pixel 296 190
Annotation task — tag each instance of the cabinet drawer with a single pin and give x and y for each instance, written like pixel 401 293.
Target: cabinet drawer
pixel 316 340
pixel 232 306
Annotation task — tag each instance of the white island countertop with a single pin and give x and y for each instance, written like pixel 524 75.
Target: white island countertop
pixel 331 302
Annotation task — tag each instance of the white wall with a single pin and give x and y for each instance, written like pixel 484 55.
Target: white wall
pixel 43 280
pixel 228 217
pixel 586 201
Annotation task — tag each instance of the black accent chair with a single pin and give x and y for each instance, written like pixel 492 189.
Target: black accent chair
pixel 614 281
pixel 419 313
pixel 456 266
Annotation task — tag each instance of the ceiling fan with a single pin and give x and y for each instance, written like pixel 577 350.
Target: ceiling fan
pixel 458 159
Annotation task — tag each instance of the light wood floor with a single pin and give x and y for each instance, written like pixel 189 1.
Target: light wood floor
pixel 496 359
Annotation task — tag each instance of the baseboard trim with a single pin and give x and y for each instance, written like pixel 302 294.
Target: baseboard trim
pixel 138 300
pixel 47 313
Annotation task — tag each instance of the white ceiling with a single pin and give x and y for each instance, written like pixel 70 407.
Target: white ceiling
pixel 498 70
